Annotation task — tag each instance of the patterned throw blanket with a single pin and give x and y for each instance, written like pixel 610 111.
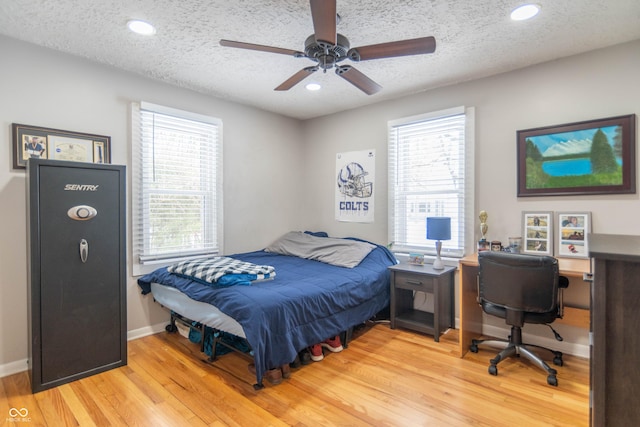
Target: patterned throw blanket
pixel 212 270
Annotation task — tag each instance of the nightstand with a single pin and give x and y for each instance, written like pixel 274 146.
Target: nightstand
pixel 406 279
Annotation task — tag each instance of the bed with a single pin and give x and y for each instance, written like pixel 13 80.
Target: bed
pixel 320 287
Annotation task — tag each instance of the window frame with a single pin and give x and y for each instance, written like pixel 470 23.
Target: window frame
pixel 450 249
pixel 141 264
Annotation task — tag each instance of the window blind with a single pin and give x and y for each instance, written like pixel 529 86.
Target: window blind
pixel 428 176
pixel 177 184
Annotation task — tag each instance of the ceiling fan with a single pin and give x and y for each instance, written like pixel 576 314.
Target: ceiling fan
pixel 328 49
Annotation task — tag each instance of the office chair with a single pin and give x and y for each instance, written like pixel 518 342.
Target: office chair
pixel 521 289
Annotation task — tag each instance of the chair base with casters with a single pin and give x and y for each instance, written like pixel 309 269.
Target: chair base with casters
pixel 515 347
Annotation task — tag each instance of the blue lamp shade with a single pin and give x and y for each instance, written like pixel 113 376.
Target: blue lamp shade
pixel 439 228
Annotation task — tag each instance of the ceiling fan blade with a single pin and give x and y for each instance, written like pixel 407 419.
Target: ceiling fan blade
pixel 259 47
pixel 297 78
pixel 417 46
pixel 325 20
pixel 358 79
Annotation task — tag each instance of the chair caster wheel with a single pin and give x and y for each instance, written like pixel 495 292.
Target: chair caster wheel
pixel 557 360
pixel 171 328
pixel 552 380
pixel 493 369
pixel 473 348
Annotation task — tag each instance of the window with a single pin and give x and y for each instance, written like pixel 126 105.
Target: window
pixel 431 174
pixel 177 191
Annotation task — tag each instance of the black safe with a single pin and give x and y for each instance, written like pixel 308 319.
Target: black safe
pixel 77 270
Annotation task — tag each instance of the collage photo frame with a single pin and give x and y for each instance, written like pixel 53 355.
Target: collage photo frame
pixel 573 228
pixel 537 232
pixel 570 239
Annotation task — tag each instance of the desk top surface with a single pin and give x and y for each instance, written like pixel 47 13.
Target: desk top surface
pixel 615 247
pixel 568 266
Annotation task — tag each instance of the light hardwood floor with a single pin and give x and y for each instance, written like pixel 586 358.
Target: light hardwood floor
pixel 384 378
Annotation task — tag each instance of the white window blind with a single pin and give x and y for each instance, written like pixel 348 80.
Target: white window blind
pixel 177 188
pixel 430 169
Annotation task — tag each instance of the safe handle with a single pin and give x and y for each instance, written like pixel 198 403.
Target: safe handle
pixel 84 250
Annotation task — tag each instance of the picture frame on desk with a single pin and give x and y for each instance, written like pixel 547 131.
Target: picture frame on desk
pixel 571 238
pixel 537 232
pixel 416 259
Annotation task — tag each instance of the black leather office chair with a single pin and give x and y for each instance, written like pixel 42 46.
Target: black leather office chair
pixel 521 289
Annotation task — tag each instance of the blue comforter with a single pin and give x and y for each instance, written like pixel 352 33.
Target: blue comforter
pixel 307 302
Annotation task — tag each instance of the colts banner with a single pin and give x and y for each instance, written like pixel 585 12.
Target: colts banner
pixel 355 176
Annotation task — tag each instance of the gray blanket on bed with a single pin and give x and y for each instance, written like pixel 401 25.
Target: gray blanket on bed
pixel 339 252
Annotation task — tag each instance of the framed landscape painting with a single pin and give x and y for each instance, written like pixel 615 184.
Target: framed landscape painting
pixel 591 157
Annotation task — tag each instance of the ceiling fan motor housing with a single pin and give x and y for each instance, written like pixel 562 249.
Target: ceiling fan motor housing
pixel 326 55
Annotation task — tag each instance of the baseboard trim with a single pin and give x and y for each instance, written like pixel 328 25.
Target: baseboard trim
pixel 23 365
pixel 146 331
pixel 14 367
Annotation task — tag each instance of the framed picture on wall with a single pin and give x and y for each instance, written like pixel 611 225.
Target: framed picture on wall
pixel 590 157
pixel 537 233
pixel 571 240
pixel 45 143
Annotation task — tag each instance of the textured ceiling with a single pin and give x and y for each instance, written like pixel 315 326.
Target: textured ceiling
pixel 475 38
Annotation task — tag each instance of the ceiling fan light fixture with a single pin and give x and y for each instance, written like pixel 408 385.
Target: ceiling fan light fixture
pixel 313 86
pixel 524 12
pixel 141 27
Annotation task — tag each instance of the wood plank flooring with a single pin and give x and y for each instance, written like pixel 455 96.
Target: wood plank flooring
pixel 384 378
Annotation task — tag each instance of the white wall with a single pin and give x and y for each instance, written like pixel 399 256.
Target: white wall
pixel 595 85
pixel 43 88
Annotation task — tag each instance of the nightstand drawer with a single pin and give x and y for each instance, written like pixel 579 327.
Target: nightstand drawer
pixel 416 282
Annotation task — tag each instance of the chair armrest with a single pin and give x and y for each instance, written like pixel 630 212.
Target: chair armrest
pixel 563 282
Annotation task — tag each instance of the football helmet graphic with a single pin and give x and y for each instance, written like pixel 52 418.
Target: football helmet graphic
pixel 351 181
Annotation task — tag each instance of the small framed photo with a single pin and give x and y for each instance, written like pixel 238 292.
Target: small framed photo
pixel 55 144
pixel 416 259
pixel 537 232
pixel 573 228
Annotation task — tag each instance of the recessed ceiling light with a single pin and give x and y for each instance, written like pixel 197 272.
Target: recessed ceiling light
pixel 313 86
pixel 524 12
pixel 141 27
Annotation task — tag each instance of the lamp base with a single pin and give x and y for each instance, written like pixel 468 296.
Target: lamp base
pixel 438 264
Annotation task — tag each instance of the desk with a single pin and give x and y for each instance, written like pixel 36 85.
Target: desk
pixel 471 312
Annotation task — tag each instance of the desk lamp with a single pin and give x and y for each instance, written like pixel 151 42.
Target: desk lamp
pixel 438 228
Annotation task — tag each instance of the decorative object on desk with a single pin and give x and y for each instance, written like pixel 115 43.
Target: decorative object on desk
pixel 590 157
pixel 483 245
pixel 483 224
pixel 438 228
pixel 55 144
pixel 537 229
pixel 515 245
pixel 573 228
pixel 496 246
pixel 416 259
